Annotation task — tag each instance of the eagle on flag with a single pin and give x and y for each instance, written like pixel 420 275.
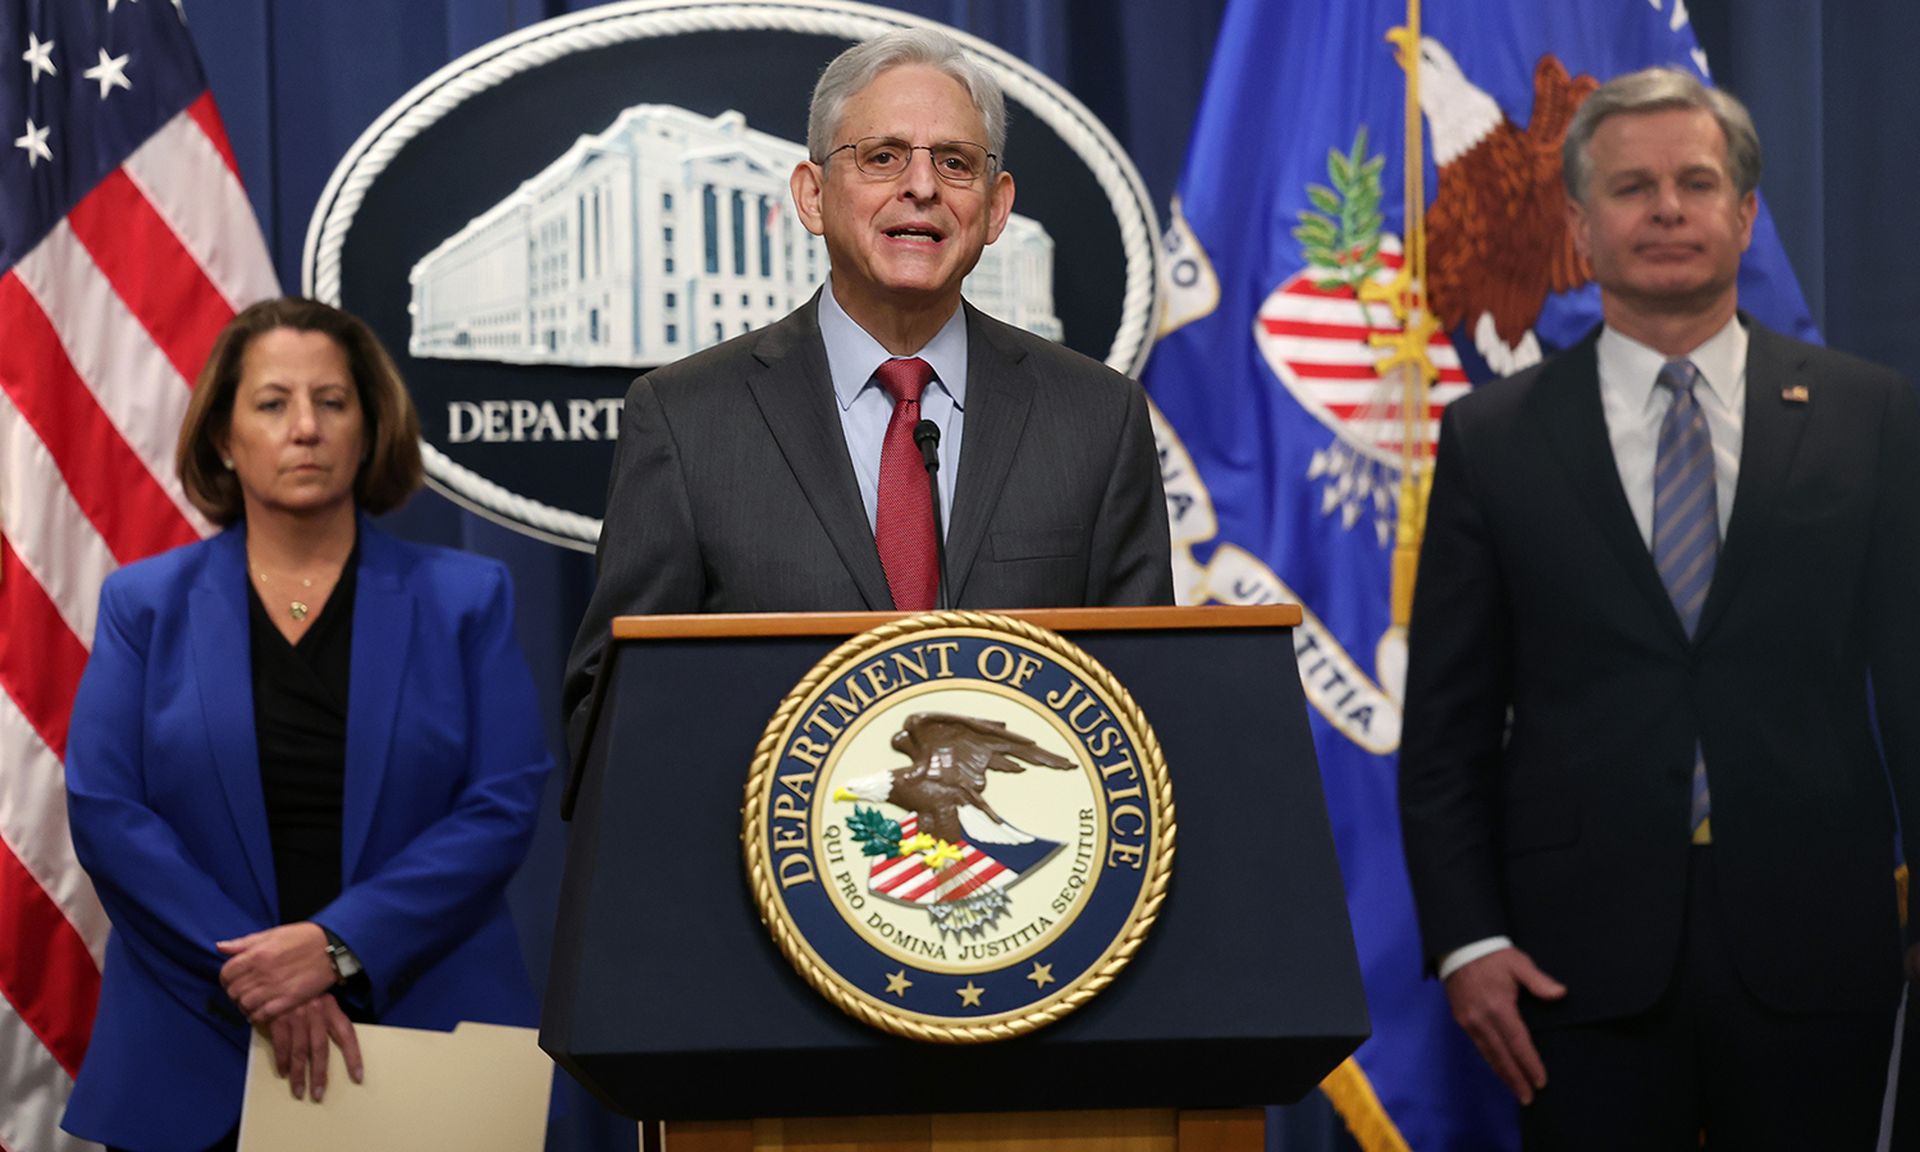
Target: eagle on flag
pixel 1498 240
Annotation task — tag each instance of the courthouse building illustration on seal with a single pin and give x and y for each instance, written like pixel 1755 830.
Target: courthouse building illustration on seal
pixel 665 234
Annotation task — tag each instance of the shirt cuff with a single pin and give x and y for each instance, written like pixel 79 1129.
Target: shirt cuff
pixel 1467 953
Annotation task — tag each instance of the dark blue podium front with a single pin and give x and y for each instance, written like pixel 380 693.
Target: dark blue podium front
pixel 668 999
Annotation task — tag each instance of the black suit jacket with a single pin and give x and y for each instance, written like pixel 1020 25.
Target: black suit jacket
pixel 1554 701
pixel 732 489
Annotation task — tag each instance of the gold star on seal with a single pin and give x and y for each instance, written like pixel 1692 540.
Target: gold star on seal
pixel 1042 974
pixel 970 995
pixel 897 983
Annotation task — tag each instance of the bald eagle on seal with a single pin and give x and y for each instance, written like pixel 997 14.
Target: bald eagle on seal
pixel 945 784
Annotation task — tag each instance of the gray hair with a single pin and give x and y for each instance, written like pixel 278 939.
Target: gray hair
pixel 863 63
pixel 1657 90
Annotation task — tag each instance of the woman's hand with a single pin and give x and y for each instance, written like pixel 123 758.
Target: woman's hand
pixel 300 1045
pixel 274 970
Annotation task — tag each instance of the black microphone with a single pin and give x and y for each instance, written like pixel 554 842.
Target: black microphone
pixel 927 435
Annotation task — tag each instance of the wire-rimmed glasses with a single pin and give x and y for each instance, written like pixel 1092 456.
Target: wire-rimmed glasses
pixel 958 162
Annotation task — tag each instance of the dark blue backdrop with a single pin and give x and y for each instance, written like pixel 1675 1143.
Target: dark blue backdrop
pixel 299 81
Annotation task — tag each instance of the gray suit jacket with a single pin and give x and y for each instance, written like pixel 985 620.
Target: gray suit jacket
pixel 732 489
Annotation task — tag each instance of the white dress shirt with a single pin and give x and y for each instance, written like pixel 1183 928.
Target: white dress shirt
pixel 865 408
pixel 1633 404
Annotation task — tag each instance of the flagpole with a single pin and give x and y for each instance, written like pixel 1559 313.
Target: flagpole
pixel 1407 355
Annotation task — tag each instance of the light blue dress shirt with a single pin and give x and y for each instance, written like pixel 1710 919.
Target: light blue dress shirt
pixel 865 408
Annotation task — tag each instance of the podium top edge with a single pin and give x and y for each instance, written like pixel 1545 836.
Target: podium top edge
pixel 742 624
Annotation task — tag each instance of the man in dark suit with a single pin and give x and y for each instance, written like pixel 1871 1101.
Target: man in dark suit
pixel 778 471
pixel 1648 817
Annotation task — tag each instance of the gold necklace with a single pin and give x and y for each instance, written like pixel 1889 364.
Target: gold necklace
pixel 297 608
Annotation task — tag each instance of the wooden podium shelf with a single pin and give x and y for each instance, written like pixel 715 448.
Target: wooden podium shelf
pixel 1238 1130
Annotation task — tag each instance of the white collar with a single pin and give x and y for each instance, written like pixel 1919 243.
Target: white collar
pixel 1634 369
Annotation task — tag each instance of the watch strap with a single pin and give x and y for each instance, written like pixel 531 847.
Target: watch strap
pixel 345 964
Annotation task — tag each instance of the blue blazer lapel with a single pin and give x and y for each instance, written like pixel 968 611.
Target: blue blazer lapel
pixel 999 391
pixel 223 671
pixel 382 629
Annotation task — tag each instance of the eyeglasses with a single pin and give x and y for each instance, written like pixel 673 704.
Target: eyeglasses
pixel 957 162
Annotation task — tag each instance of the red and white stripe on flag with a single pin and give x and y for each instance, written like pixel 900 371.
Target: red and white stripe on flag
pixel 107 319
pixel 908 878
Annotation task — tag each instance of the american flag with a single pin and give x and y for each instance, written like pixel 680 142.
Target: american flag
pixel 126 242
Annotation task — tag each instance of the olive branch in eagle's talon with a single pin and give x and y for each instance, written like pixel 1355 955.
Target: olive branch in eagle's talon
pixel 876 835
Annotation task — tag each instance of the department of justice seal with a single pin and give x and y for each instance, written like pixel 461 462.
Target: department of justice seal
pixel 606 191
pixel 958 827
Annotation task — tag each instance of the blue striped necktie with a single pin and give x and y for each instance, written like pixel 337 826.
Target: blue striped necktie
pixel 1686 528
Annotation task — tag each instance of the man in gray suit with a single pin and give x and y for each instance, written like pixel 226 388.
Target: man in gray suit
pixel 777 472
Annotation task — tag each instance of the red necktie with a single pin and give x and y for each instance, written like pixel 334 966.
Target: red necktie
pixel 903 522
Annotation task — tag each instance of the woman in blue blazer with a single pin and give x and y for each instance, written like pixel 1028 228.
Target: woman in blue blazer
pixel 304 759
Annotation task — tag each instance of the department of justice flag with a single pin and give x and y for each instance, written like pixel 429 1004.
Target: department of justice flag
pixel 1308 282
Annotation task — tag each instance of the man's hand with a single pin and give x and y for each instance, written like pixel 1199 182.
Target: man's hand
pixel 1485 996
pixel 300 1045
pixel 274 970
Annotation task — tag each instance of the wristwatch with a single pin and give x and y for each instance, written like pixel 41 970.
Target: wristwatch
pixel 345 964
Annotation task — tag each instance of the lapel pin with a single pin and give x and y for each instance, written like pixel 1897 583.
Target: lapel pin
pixel 1794 394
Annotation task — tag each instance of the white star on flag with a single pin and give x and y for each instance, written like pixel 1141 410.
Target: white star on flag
pixel 110 73
pixel 35 144
pixel 39 57
pixel 112 4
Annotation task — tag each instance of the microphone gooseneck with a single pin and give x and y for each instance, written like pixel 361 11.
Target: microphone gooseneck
pixel 927 435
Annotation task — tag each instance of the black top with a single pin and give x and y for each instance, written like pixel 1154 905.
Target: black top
pixel 300 720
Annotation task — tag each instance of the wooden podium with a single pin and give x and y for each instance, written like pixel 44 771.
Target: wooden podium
pixel 668 999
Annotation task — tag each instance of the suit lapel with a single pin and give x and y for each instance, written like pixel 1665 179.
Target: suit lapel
pixel 223 671
pixel 1569 394
pixel 382 630
pixel 1773 426
pixel 999 391
pixel 794 390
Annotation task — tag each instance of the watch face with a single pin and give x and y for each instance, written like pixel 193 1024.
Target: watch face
pixel 344 963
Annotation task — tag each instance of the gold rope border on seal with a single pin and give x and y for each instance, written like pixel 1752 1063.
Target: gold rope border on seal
pixel 793 946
